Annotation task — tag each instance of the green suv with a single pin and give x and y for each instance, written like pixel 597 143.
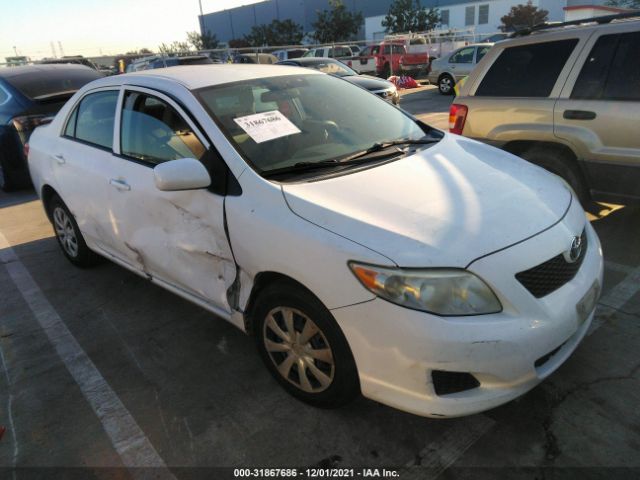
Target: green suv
pixel 565 97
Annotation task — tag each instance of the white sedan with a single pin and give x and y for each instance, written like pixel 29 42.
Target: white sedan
pixel 365 251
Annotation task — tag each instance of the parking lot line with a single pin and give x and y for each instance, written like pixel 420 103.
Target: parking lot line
pixel 616 298
pixel 14 438
pixel 127 438
pixel 440 454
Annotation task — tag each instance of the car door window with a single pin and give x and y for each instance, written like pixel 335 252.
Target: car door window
pixel 527 71
pixel 482 51
pixel 623 81
pixel 154 132
pixel 463 56
pixel 320 52
pixel 593 76
pixel 93 119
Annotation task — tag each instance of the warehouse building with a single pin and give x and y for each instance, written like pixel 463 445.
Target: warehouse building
pixel 482 16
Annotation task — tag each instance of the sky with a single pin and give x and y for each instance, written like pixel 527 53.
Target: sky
pixel 94 27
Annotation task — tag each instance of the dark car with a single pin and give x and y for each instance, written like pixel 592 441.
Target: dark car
pixel 266 58
pixel 380 87
pixel 77 60
pixel 30 96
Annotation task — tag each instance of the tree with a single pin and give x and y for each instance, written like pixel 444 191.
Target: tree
pixel 409 16
pixel 286 32
pixel 202 41
pixel 238 43
pixel 624 3
pixel 173 48
pixel 142 51
pixel 337 24
pixel 523 16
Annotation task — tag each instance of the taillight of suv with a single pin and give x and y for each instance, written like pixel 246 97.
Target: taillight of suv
pixel 457 118
pixel 26 124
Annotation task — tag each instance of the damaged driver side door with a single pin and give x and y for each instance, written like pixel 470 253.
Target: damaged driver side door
pixel 176 238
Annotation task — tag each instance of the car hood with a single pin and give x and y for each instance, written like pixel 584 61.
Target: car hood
pixel 370 83
pixel 446 205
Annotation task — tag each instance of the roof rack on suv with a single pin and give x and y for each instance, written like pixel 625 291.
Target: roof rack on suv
pixel 600 20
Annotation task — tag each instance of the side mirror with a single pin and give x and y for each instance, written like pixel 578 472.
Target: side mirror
pixel 181 174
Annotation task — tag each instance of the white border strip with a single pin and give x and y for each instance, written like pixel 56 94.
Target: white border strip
pixel 127 438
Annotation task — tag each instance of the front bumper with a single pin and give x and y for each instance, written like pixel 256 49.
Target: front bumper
pixel 396 349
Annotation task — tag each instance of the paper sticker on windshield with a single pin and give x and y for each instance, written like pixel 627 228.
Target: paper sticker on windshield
pixel 262 127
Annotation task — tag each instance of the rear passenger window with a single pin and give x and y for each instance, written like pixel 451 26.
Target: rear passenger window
pixel 154 132
pixel 592 79
pixel 92 121
pixel 482 51
pixel 463 56
pixel 526 71
pixel 623 82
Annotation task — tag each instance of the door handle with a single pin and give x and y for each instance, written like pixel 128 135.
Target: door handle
pixel 578 115
pixel 120 185
pixel 60 159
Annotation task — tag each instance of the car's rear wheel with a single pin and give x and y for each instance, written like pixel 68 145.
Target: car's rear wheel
pixel 559 163
pixel 303 347
pixel 69 236
pixel 446 85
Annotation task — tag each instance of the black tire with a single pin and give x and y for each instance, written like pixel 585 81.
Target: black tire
pixel 7 183
pixel 344 385
pixel 386 71
pixel 446 85
pixel 82 256
pixel 562 165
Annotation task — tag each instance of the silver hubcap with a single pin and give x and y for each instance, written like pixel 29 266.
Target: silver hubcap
pixel 65 232
pixel 445 84
pixel 298 349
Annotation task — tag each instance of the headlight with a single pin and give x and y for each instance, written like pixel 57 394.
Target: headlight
pixel 442 291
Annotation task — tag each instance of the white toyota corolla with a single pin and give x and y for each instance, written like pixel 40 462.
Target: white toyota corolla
pixel 365 251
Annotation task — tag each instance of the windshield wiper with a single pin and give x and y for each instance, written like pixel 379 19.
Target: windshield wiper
pixel 375 152
pixel 379 147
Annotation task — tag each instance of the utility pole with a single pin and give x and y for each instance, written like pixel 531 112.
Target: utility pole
pixel 53 50
pixel 60 48
pixel 15 50
pixel 201 18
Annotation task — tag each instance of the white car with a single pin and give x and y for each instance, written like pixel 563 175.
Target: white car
pixel 364 250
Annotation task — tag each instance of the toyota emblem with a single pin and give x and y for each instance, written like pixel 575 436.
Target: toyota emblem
pixel 575 250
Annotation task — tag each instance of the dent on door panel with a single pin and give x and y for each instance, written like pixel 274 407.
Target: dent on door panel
pixel 184 244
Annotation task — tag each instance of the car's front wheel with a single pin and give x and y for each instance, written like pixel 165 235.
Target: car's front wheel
pixel 69 236
pixel 303 347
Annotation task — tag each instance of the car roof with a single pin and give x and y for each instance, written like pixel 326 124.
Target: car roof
pixel 194 77
pixel 40 68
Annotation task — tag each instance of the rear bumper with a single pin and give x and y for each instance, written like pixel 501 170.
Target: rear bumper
pixel 397 349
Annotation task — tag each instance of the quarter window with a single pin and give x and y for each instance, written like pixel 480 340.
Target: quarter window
pixel 92 121
pixel 154 132
pixel 526 71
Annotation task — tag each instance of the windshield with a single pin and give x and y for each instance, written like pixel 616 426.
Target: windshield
pixel 333 68
pixel 278 122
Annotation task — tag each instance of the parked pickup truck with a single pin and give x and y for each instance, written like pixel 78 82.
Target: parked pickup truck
pixel 402 56
pixel 365 62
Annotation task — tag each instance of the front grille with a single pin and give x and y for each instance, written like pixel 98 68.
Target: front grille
pixel 445 383
pixel 549 276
